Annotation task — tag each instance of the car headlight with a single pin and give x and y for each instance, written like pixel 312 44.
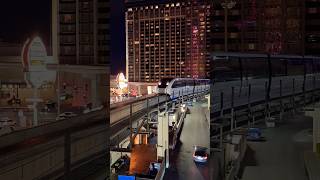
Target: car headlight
pixel 167 83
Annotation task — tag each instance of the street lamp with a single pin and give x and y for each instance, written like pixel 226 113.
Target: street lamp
pixel 227 4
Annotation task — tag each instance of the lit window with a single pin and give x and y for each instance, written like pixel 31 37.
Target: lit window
pixel 251 46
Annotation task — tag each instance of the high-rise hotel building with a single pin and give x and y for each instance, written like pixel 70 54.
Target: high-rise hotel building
pixel 81 31
pixel 268 26
pixel 167 40
pixel 312 27
pixel 80 44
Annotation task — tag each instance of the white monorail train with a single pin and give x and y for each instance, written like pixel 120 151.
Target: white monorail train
pixel 175 87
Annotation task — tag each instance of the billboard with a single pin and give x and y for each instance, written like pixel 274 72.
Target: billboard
pixel 34 61
pixel 34 55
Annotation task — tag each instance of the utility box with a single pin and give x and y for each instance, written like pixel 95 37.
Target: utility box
pixel 270 122
pixel 174 116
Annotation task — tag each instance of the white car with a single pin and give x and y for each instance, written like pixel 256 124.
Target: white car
pixel 66 115
pixel 5 121
pixel 200 154
pixel 87 110
pixel 97 108
pixel 6 130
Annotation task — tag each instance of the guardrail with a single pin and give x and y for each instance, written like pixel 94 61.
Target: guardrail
pixel 123 112
pixel 120 117
pixel 258 112
pixel 177 130
pixel 162 170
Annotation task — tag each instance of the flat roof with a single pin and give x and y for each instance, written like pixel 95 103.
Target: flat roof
pixel 141 157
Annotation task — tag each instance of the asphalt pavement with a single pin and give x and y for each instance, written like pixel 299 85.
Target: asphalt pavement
pixel 281 156
pixel 195 132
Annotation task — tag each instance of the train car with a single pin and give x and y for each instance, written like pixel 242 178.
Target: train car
pixel 163 84
pixel 183 86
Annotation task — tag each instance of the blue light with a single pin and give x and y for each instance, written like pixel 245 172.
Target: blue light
pixel 123 177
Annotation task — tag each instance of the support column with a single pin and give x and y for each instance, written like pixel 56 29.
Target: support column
pixel 233 124
pixel 163 137
pixel 139 90
pixel 35 107
pixel 315 114
pixel 95 99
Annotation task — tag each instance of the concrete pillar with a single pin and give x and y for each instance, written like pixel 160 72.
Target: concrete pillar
pixel 316 133
pixel 163 137
pixel 95 97
pixel 209 101
pixel 315 114
pixel 35 108
pixel 139 90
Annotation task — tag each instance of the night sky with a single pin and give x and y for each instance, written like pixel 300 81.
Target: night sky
pixel 118 47
pixel 21 19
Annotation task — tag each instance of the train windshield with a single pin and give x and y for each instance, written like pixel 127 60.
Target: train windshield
pixel 164 82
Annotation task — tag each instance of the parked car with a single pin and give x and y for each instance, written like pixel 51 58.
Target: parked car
pixel 254 134
pixel 87 110
pixel 14 101
pixel 5 121
pixel 200 154
pixel 6 130
pixel 50 105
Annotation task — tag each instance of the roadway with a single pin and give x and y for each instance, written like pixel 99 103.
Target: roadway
pixel 195 131
pixel 281 156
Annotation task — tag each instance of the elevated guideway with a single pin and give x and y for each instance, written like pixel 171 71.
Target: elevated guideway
pixel 55 149
pixel 257 88
pixel 121 113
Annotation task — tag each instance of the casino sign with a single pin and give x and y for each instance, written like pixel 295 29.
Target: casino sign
pixel 34 61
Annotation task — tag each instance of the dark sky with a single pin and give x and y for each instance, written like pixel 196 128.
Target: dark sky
pixel 118 47
pixel 20 19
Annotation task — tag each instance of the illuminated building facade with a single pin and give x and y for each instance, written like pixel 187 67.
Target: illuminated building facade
pixel 283 26
pixel 276 29
pixel 81 45
pixel 167 40
pixel 80 31
pixel 312 27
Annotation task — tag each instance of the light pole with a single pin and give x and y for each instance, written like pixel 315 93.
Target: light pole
pixel 227 4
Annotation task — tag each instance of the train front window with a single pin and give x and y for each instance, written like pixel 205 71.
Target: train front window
pixel 164 82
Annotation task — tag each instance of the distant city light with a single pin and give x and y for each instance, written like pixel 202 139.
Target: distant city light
pixel 122 81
